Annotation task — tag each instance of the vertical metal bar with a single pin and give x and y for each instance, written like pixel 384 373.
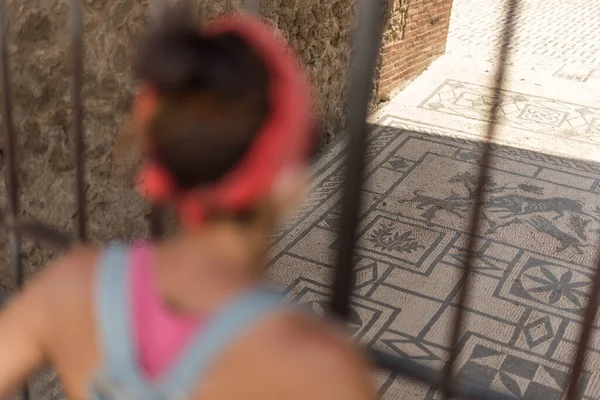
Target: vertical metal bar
pixel 156 222
pixel 475 220
pixel 12 184
pixel 76 28
pixel 157 8
pixel 11 170
pixel 45 233
pixel 252 7
pixel 584 336
pixel 11 167
pixel 367 41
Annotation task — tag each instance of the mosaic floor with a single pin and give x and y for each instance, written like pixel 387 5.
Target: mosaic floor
pixel 541 219
pixel 533 265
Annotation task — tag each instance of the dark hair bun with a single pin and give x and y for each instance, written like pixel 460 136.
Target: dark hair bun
pixel 215 94
pixel 177 59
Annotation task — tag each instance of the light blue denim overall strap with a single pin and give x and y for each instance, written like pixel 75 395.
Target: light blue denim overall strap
pixel 121 378
pixel 113 317
pixel 228 325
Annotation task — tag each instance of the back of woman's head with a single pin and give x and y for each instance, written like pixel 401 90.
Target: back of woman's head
pixel 214 97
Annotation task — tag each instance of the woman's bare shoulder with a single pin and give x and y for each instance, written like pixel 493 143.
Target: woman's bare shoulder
pixel 322 362
pixel 29 315
pixel 68 276
pixel 76 263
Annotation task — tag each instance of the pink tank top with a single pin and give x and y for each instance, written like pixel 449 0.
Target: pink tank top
pixel 159 335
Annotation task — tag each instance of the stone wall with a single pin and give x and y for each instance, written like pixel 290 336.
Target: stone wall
pixel 320 30
pixel 415 37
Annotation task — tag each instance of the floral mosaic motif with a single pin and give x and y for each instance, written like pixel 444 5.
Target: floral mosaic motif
pixel 561 218
pixel 556 285
pixel 386 238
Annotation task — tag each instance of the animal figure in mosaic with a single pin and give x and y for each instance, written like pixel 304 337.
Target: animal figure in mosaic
pixel 470 181
pixel 579 226
pixel 516 205
pixel 494 226
pixel 512 204
pixel 544 225
pixel 454 204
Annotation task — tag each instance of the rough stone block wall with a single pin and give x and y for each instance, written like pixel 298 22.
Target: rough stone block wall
pixel 415 37
pixel 320 30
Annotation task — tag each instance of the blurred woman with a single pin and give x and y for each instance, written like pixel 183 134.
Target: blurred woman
pixel 224 119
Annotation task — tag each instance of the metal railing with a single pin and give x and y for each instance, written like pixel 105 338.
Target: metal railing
pixel 367 42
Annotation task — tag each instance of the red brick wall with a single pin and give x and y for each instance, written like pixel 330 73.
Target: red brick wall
pixel 424 39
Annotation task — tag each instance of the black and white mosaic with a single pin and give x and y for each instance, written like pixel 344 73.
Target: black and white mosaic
pixel 533 265
pixel 517 110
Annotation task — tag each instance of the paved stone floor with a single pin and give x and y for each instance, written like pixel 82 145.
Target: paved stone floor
pixel 549 33
pixel 541 218
pixel 552 87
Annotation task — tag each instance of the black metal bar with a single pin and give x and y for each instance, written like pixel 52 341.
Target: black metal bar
pixel 157 8
pixel 11 167
pixel 37 230
pixel 252 7
pixel 12 184
pixel 156 222
pixel 76 30
pixel 432 377
pixel 475 220
pixel 367 41
pixel 591 310
pixel 45 233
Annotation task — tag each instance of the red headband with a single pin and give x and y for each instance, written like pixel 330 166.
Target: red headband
pixel 284 138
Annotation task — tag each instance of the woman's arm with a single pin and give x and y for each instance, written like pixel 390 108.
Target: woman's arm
pixel 338 374
pixel 27 320
pixel 325 366
pixel 22 322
